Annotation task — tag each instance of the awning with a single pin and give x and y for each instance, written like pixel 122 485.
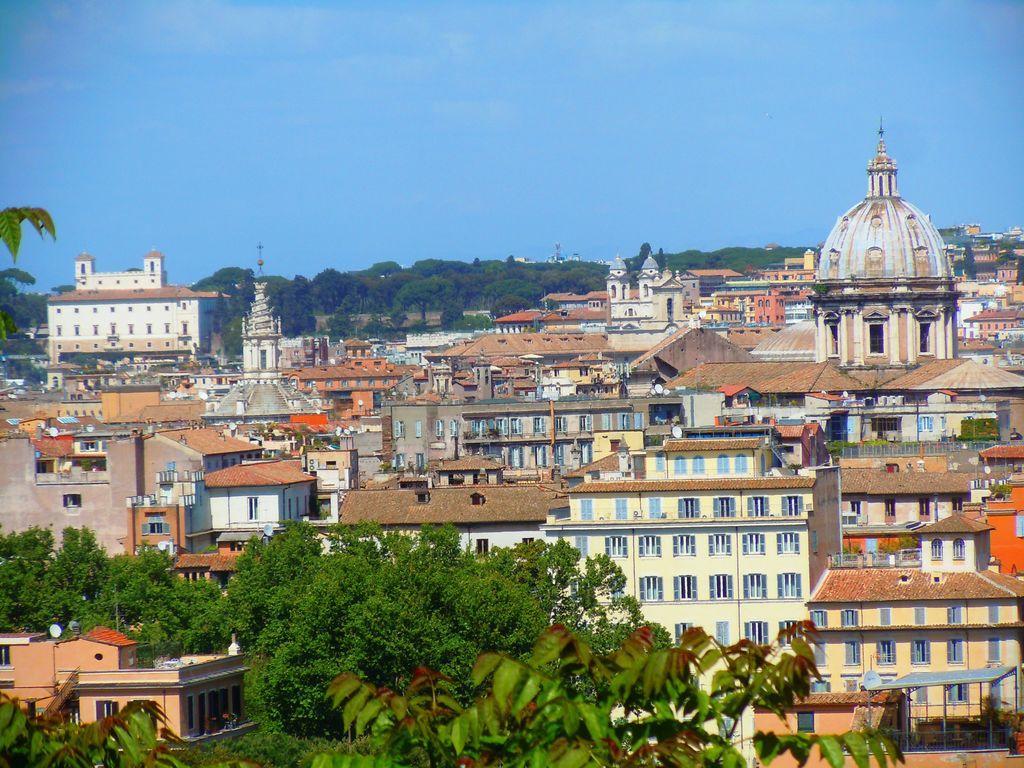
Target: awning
pixel 948 677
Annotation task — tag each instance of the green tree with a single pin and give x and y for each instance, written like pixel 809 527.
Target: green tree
pixel 11 220
pixel 24 556
pixel 640 705
pixel 75 576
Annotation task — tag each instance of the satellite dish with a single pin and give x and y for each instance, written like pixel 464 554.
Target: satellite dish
pixel 268 530
pixel 90 428
pixel 846 395
pixel 232 426
pixel 871 680
pixel 348 431
pixel 163 546
pixel 53 431
pixel 677 431
pixel 56 630
pixel 74 626
pixel 203 394
pixel 338 431
pixel 659 389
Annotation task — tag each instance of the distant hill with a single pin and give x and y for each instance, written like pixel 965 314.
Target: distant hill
pixel 387 300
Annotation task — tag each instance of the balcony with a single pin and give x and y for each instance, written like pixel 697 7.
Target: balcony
pixel 904 558
pixel 167 477
pixel 75 477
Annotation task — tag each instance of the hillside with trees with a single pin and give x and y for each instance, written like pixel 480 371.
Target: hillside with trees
pixel 387 300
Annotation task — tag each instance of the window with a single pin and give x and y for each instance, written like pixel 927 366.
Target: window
pixel 959 549
pixel 439 428
pixel 616 546
pixel 820 657
pixel 540 425
pixel 753 544
pixel 756 631
pixel 72 500
pixel 921 652
pixel 483 546
pixel 561 424
pixel 757 506
pixel 890 509
pixel 885 617
pixel 515 426
pixel 651 589
pixel 957 694
pixel 650 546
pixel 851 653
pixel 955 651
pixel 853 516
pixel 993 614
pixel 833 337
pixel 155 528
pixel 723 465
pixel 925 423
pixel 1019 531
pixel 106 709
pixel 679 465
pixel 418 429
pixel 720 544
pixel 994 653
pixel 741 465
pixel 886 652
pixel 724 506
pixel 76 330
pixel 621 512
pixel 876 338
pixel 924 337
pixel 654 508
pixel 684 587
pixel 720 586
pixel 252 506
pixel 623 421
pixel 924 509
pixel 586 509
pixel 819 618
pixel 755 585
pixel 849 617
pixel 936 549
pixel 586 422
pixel 681 628
pixel 659 463
pixel 582 544
pixel 787 543
pixel 453 428
pixel 5 656
pixel 919 615
pixel 792 506
pixel 805 722
pixel 722 632
pixel 698 465
pixel 955 615
pixel 688 507
pixel 790 585
pixel 684 545
pixel 399 429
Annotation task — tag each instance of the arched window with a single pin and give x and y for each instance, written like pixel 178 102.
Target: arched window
pixel 679 465
pixel 959 549
pixel 612 290
pixel 723 465
pixel 937 549
pixel 698 465
pixel 741 465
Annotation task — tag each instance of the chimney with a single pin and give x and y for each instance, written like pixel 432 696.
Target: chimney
pixel 624 462
pixel 234 649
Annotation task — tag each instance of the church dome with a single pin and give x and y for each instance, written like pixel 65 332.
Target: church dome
pixel 883 236
pixel 650 265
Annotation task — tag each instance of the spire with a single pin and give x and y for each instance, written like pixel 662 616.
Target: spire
pixel 882 169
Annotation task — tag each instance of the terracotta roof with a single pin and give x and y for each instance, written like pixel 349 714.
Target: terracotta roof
pixel 712 444
pixel 609 463
pixel 956 375
pixel 214 562
pixel 994 314
pixel 956 524
pixel 169 411
pixel 714 273
pixel 54 446
pixel 523 316
pixel 711 484
pixel 209 441
pixel 790 431
pixel 843 699
pixel 579 313
pixel 136 294
pixel 875 481
pixel 109 636
pixel 1013 451
pixel 895 584
pixel 526 503
pixel 466 463
pixel 492 344
pixel 260 473
pixel 768 377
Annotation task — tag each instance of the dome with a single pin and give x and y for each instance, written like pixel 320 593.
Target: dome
pixel 618 265
pixel 650 264
pixel 883 236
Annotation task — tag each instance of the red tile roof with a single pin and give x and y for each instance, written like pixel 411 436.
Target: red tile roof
pixel 712 444
pixel 210 561
pixel 258 474
pixel 135 294
pixel 956 524
pixel 54 446
pixel 858 480
pixel 209 441
pixel 109 636
pixel 883 585
pixel 714 484
pixel 1013 451
pixel 524 316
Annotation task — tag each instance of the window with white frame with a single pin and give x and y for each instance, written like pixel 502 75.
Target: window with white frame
pixel 621 509
pixel 753 544
pixel 885 650
pixel 586 509
pixel 252 506
pixel 724 506
pixel 679 465
pixel 790 585
pixel 439 428
pixel 755 585
pixel 722 632
pixel 680 628
pixel 787 543
pixel 684 587
pixel 688 507
pixel 792 506
pixel 723 465
pixel 849 617
pixel 719 544
pixel 651 589
pixel 649 546
pixel 720 586
pixel 616 546
pixel 684 545
pixel 819 618
pixel 851 653
pixel 954 651
pixel 654 508
pixel 756 631
pixel 515 426
pixel 757 506
pixel 959 549
pixel 586 422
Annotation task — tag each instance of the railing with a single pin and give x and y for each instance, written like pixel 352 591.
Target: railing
pixel 62 695
pixel 954 739
pixel 912 449
pixel 905 558
pixel 167 476
pixel 71 478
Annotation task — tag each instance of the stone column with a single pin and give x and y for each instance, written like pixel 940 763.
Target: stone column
pixel 893 324
pixel 844 343
pixel 913 338
pixel 940 336
pixel 859 342
pixel 821 340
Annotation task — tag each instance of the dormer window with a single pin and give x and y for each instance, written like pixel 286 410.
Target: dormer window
pixel 423 497
pixel 477 499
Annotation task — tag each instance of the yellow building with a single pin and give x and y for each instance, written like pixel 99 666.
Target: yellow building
pixel 949 617
pixel 712 536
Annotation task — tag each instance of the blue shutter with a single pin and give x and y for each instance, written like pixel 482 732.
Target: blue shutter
pixel 778 543
pixel 781 587
pixel 717 505
pixel 750 506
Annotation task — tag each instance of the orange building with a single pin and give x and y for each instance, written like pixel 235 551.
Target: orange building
pixel 1006 516
pixel 88 677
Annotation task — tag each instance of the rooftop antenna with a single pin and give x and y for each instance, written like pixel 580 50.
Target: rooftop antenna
pixel 259 257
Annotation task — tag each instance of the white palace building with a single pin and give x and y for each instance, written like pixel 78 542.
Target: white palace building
pixel 134 314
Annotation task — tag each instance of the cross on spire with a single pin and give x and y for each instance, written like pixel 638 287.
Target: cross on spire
pixel 259 257
pixel 881 128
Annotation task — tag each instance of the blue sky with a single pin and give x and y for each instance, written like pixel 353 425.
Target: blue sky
pixel 339 135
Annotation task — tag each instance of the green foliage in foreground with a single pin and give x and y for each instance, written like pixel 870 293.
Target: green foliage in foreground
pixel 567 706
pixel 11 220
